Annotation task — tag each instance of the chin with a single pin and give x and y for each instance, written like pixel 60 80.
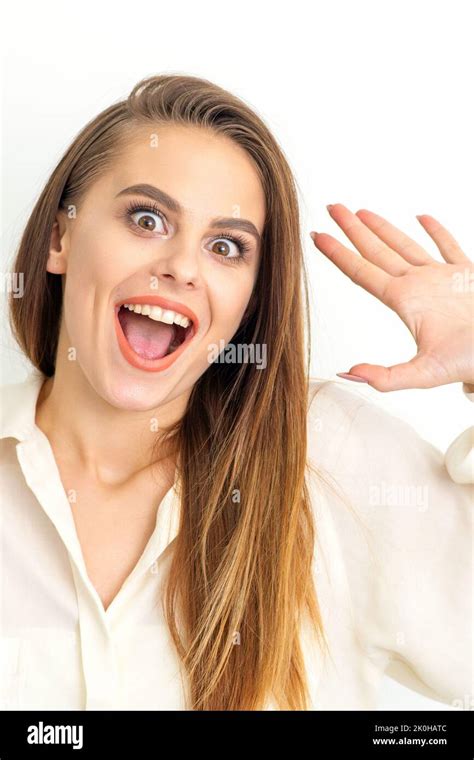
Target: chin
pixel 138 395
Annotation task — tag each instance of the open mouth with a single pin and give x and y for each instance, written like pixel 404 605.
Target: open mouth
pixel 149 334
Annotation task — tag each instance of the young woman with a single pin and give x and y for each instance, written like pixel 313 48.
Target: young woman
pixel 188 520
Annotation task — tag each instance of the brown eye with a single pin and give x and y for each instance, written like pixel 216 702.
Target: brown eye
pixel 222 248
pixel 146 220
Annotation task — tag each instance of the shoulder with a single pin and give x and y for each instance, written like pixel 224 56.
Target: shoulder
pixel 18 405
pixel 341 418
pixel 353 435
pixel 334 401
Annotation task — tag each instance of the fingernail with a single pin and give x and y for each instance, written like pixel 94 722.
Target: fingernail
pixel 313 235
pixel 330 207
pixel 348 376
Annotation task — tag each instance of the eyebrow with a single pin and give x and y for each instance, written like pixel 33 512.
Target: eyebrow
pixel 220 222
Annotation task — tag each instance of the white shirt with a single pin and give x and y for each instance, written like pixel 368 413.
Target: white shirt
pixel 395 595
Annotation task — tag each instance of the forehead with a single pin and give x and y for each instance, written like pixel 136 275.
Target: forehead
pixel 208 174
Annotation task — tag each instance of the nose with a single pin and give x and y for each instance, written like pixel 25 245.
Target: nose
pixel 178 260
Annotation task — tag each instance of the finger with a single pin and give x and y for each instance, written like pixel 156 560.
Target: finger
pixel 408 249
pixel 369 245
pixel 413 374
pixel 358 269
pixel 449 248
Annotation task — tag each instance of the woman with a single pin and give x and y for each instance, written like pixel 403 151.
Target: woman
pixel 175 531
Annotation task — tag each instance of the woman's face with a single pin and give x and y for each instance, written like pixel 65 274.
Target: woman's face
pixel 172 255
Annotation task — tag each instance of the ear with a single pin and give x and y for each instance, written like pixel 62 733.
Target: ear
pixel 57 259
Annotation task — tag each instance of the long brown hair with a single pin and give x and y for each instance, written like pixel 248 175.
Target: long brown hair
pixel 241 579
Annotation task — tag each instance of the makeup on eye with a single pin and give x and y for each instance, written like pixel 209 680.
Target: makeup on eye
pixel 135 208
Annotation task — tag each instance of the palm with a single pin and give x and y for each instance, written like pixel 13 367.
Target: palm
pixel 433 299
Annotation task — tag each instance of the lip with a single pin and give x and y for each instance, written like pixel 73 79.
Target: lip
pixel 153 365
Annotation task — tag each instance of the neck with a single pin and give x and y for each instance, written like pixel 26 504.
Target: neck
pixel 108 444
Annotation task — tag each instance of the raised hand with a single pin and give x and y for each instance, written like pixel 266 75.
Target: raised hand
pixel 435 300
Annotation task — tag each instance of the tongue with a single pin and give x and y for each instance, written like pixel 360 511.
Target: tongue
pixel 148 338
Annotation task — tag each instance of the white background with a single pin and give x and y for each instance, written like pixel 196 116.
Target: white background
pixel 371 102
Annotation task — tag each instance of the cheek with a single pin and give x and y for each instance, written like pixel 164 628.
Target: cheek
pixel 229 301
pixel 97 261
pixel 94 267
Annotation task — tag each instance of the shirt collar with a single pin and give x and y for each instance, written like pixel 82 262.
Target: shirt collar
pixel 18 407
pixel 17 420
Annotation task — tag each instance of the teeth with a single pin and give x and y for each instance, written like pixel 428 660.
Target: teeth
pixel 162 315
pixel 159 314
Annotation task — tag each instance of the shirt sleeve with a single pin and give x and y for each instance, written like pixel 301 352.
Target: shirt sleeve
pixel 459 457
pixel 405 527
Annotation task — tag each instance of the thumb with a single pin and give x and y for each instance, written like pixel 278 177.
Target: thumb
pixel 412 374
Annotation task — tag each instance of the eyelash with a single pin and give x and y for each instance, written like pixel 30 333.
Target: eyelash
pixel 240 241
